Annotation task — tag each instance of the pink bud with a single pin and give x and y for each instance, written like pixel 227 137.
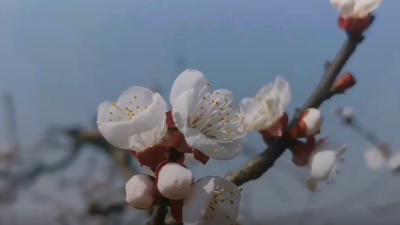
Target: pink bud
pixel 309 125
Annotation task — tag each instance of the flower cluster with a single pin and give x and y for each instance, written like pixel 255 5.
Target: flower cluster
pixel 204 122
pixel 266 114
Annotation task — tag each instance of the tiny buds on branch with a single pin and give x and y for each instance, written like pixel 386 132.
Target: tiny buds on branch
pixel 174 181
pixel 355 25
pixel 309 125
pixel 344 83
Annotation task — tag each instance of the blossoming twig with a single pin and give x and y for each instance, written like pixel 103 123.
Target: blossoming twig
pixel 261 164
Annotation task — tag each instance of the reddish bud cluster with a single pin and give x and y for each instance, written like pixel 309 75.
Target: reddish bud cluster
pixel 309 125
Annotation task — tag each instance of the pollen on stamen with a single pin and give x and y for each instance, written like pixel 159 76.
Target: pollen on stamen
pixel 228 132
pixel 208 84
pixel 232 202
pixel 226 99
pixel 110 119
pixel 213 101
pixel 217 103
pixel 110 112
pixel 137 107
pixel 145 107
pixel 204 98
pixel 202 107
pixel 212 92
pixel 135 97
pixel 130 102
pixel 217 93
pixel 119 118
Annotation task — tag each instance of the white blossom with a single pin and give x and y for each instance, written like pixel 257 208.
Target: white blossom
pixel 211 121
pixel 356 8
pixel 324 162
pixel 212 201
pixel 136 121
pixel 268 105
pixel 174 181
pixel 374 158
pixel 140 191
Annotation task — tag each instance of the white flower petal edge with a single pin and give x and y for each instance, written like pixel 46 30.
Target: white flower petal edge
pixel 212 201
pixel 174 181
pixel 136 121
pixel 358 8
pixel 189 79
pixel 374 158
pixel 268 106
pixel 394 161
pixel 364 7
pixel 211 122
pixel 140 191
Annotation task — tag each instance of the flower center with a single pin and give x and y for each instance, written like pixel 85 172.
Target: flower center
pixel 215 117
pixel 215 208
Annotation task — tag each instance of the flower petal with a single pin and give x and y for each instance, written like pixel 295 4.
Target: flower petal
pixel 250 110
pixel 121 134
pixel 284 92
pixel 196 203
pixel 135 99
pixel 110 112
pixel 374 158
pixel 345 7
pixel 212 201
pixel 364 7
pixel 151 122
pixel 189 79
pixel 218 151
pixel 140 191
pixel 184 108
pixel 322 164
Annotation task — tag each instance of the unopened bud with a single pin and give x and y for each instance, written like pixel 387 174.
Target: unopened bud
pixel 345 82
pixel 309 125
pixel 174 181
pixel 140 191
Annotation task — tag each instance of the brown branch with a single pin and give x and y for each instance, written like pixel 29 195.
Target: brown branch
pixel 264 161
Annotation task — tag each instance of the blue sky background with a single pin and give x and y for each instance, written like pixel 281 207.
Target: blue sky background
pixel 60 59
